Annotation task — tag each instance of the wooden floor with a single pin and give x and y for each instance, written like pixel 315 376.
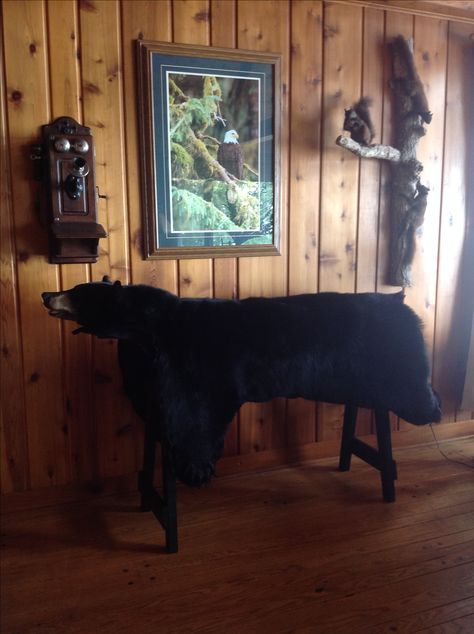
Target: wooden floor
pixel 303 549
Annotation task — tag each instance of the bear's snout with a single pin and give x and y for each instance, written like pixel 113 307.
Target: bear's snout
pixel 46 297
pixel 58 304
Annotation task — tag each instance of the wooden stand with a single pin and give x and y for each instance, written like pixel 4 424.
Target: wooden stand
pixel 381 459
pixel 164 506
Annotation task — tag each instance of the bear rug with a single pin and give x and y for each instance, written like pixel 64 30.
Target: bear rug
pixel 189 364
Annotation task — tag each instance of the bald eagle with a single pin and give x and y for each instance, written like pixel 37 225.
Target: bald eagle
pixel 230 155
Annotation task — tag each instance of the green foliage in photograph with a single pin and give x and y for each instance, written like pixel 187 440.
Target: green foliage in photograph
pixel 205 196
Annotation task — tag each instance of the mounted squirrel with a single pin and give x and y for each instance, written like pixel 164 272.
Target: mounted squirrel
pixel 357 121
pixel 409 83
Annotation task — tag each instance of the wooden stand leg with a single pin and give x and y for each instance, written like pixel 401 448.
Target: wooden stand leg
pixel 169 498
pixel 146 475
pixel 381 459
pixel 348 433
pixel 162 507
pixel 388 468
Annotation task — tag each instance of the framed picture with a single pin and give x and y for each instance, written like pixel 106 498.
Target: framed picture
pixel 210 141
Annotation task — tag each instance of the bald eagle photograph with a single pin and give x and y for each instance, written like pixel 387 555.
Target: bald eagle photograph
pixel 214 150
pixel 214 126
pixel 230 155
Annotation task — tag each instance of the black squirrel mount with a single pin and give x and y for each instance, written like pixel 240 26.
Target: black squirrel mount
pixel 357 121
pixel 408 196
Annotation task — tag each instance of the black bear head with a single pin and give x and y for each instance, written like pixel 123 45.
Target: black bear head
pixel 95 306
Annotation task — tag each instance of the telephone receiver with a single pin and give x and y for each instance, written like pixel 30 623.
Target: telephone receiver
pixel 74 183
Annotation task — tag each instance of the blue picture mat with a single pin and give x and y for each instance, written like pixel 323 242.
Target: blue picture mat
pixel 162 66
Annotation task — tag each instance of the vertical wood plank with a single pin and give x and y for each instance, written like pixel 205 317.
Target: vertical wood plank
pixel 305 164
pixel 102 76
pixel 430 37
pixel 262 426
pixel 149 20
pixel 64 71
pixel 65 86
pixel 102 80
pixel 141 19
pixel 195 278
pixel 304 145
pixel 28 109
pixel 395 24
pixel 223 33
pixel 430 52
pixel 262 30
pixel 340 170
pixel 13 437
pixel 191 26
pixel 454 269
pixel 372 85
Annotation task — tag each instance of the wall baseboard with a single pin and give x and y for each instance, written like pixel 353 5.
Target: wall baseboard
pixel 233 465
pixel 275 458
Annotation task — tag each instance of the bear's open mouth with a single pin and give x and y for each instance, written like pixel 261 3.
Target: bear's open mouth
pixel 62 314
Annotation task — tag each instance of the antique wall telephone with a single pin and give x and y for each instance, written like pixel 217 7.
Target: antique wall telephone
pixel 67 158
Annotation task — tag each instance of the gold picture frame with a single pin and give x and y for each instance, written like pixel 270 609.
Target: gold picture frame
pixel 210 151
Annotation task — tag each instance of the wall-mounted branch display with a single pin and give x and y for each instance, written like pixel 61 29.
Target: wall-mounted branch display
pixel 408 196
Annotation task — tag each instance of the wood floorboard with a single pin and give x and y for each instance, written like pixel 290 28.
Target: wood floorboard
pixel 463 625
pixel 451 618
pixel 302 549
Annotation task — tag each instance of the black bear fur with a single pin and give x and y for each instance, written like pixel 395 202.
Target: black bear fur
pixel 189 364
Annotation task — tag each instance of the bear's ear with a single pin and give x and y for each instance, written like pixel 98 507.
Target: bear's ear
pixel 106 280
pixel 118 283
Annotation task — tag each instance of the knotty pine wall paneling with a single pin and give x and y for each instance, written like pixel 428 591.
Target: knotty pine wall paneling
pixel 14 469
pixel 65 88
pixel 430 48
pixel 141 19
pixel 367 231
pixel 395 24
pixel 64 416
pixel 262 426
pixel 340 170
pixel 372 83
pixel 148 20
pixel 29 106
pixel 223 17
pixel 456 251
pixel 102 93
pixel 306 74
pixel 191 26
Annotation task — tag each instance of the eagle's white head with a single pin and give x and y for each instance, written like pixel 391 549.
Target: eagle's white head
pixel 231 136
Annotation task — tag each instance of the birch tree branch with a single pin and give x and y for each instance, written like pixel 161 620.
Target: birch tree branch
pixel 385 152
